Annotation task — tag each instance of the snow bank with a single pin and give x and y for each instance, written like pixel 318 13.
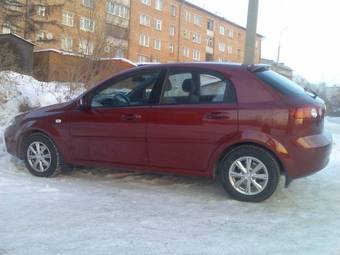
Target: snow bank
pixel 16 89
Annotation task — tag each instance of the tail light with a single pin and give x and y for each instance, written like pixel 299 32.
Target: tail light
pixel 307 113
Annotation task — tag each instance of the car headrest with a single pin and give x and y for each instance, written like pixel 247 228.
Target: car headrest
pixel 188 85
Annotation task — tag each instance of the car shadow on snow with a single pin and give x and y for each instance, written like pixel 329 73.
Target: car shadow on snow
pixel 151 180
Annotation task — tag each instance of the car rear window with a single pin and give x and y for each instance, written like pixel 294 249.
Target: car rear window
pixel 280 83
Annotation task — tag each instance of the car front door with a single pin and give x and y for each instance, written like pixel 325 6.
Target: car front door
pixel 197 112
pixel 113 128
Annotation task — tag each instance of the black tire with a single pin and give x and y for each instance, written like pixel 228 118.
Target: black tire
pixel 55 165
pixel 256 152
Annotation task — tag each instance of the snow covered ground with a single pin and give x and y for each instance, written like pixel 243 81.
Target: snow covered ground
pixel 99 211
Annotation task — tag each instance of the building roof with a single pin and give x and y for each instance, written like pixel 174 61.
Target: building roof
pixel 80 55
pixel 274 63
pixel 16 36
pixel 215 15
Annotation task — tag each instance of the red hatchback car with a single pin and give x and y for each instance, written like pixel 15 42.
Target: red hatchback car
pixel 245 125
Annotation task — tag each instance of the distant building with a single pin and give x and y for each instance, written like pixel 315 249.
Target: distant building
pixel 21 49
pixel 140 30
pixel 280 68
pixel 179 31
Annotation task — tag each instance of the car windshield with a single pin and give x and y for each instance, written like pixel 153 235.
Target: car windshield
pixel 280 83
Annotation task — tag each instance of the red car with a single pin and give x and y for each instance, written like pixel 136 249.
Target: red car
pixel 245 125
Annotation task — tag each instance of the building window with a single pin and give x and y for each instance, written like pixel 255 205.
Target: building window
pixel 156 60
pixel 119 53
pixel 196 55
pixel 157 44
pixel 8 28
pixel 109 44
pixel 210 42
pixel 116 9
pixel 143 59
pixel 86 24
pixel 144 20
pixel 173 10
pixel 186 34
pixel 67 43
pixel 159 5
pixel 230 49
pixel 40 36
pixel 171 48
pixel 239 53
pixel 256 44
pixel 187 16
pixel 67 18
pixel 85 47
pixel 230 33
pixel 222 30
pixel 196 38
pixel 210 25
pixel 221 47
pixel 144 40
pixel 88 3
pixel 41 11
pixel 172 30
pixel 197 20
pixel 186 52
pixel 12 4
pixel 146 2
pixel 158 24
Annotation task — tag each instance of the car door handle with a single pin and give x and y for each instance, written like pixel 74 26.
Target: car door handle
pixel 217 115
pixel 130 117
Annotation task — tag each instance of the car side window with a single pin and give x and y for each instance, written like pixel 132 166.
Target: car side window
pixel 132 91
pixel 193 87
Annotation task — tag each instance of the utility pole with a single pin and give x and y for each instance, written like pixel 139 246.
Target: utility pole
pixel 278 53
pixel 179 28
pixel 279 46
pixel 249 56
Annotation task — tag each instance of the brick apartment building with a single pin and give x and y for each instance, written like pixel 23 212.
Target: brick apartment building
pixel 140 30
pixel 173 30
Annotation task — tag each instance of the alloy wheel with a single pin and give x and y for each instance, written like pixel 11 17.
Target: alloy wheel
pixel 39 156
pixel 248 175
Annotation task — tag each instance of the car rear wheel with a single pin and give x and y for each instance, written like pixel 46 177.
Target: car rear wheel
pixel 41 156
pixel 249 173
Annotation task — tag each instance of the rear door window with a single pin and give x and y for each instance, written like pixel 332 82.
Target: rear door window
pixel 194 87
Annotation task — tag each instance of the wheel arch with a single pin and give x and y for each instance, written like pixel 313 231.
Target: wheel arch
pixel 26 134
pixel 231 147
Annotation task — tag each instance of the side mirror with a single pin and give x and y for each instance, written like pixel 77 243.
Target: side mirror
pixel 83 104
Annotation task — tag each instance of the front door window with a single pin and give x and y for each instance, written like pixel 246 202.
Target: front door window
pixel 132 91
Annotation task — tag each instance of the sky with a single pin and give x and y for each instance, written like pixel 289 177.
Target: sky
pixel 307 29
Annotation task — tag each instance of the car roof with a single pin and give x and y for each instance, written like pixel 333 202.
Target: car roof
pixel 208 65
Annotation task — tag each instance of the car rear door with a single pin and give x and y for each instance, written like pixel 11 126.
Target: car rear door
pixel 197 112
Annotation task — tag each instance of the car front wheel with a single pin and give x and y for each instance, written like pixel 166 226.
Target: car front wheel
pixel 249 173
pixel 41 156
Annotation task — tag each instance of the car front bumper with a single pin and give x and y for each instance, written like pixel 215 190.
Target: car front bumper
pixel 10 140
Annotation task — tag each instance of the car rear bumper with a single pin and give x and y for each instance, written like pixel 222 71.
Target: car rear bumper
pixel 308 155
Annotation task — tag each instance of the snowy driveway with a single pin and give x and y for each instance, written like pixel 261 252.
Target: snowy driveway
pixel 110 212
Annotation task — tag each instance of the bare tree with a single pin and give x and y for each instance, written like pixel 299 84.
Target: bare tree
pixel 99 39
